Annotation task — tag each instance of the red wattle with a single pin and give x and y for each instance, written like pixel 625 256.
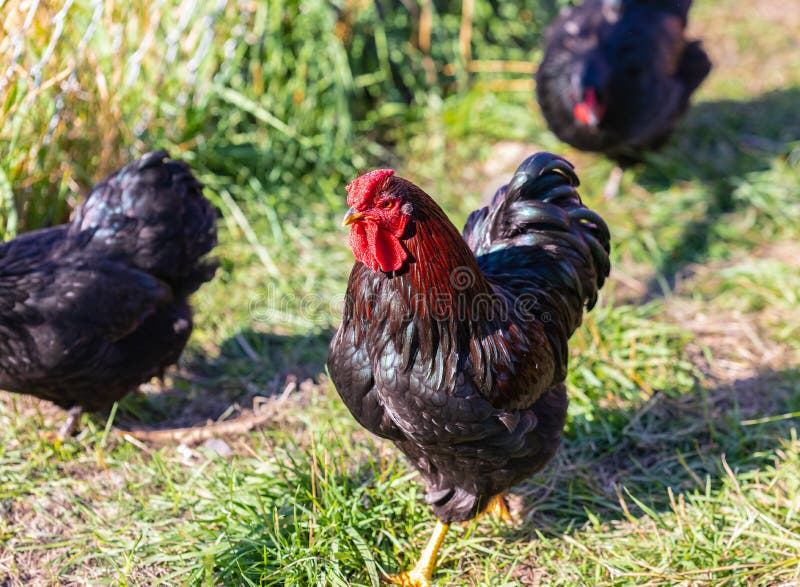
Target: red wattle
pixel 389 252
pixel 377 249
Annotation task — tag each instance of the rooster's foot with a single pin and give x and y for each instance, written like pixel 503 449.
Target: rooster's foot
pixel 412 578
pixel 498 508
pixel 422 572
pixel 67 429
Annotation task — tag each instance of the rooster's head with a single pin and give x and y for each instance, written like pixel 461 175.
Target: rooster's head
pixel 378 218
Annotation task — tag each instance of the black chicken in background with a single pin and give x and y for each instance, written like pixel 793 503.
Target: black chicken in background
pixel 91 309
pixel 617 75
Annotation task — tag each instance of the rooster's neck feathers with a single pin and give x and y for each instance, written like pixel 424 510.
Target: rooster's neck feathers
pixel 439 310
pixel 442 270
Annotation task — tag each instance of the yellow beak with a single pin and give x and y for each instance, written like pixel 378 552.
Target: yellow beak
pixel 351 217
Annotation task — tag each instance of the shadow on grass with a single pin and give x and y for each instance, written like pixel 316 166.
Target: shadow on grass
pixel 719 144
pixel 670 442
pixel 249 364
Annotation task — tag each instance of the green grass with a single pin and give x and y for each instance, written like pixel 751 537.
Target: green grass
pixel 681 461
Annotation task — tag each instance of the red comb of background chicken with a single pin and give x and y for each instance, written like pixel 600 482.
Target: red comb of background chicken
pixel 362 188
pixel 589 110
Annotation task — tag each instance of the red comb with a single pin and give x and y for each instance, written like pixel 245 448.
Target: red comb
pixel 361 189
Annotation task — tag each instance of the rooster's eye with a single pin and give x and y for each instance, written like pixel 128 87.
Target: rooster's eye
pixel 387 204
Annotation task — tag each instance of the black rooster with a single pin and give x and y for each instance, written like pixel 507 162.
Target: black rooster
pixel 617 74
pixel 455 347
pixel 91 309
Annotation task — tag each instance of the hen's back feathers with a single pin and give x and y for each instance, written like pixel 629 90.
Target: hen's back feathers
pixel 152 213
pixel 679 8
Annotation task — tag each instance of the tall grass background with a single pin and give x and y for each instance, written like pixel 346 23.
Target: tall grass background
pixel 282 98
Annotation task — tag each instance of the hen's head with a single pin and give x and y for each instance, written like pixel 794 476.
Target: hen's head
pixel 589 111
pixel 590 91
pixel 378 218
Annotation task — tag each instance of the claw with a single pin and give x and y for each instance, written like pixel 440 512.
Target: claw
pixel 422 572
pixel 412 578
pixel 497 507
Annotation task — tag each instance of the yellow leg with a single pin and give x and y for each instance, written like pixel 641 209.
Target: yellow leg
pixel 498 508
pixel 612 185
pixel 70 425
pixel 422 572
pixel 67 429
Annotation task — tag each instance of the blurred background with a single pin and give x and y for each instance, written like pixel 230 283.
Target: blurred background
pixel 276 105
pixel 263 97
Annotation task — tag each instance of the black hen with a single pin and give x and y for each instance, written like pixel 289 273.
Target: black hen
pixel 91 309
pixel 455 347
pixel 617 74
